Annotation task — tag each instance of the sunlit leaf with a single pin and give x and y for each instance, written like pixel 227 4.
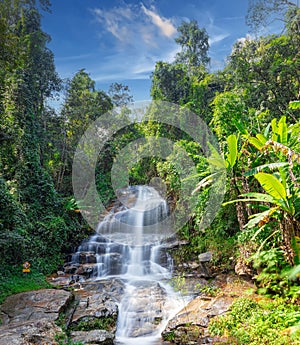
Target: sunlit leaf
pixel 282 130
pixel 232 149
pixel 256 143
pixel 271 185
pixel 294 105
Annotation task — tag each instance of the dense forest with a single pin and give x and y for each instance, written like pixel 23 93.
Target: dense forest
pixel 252 105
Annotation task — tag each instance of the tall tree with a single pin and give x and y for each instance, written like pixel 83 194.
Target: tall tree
pixel 194 45
pixel 83 105
pixel 262 12
pixel 267 69
pixel 120 94
pixel 170 82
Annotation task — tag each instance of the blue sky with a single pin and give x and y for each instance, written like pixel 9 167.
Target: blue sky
pixel 120 40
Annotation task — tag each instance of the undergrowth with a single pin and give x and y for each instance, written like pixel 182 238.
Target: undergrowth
pixel 13 280
pixel 269 322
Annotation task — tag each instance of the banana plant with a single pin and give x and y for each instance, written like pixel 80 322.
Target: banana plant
pixel 281 195
pixel 228 162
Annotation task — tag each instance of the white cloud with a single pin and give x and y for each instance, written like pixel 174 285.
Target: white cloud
pixel 141 38
pixel 217 38
pixel 114 21
pixel 243 40
pixel 165 25
pixel 130 25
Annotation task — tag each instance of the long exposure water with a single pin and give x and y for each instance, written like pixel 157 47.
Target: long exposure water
pixel 125 250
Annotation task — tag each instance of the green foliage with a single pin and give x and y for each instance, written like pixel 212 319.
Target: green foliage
pixel 209 290
pixel 256 323
pixel 294 105
pixel 13 280
pixel 63 339
pixel 267 72
pixel 170 82
pixel 271 264
pixel 229 109
pixel 119 94
pixel 194 45
pixel 170 336
pixel 89 324
pixel 262 13
pixel 232 150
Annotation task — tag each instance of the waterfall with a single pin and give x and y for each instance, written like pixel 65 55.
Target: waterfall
pixel 127 244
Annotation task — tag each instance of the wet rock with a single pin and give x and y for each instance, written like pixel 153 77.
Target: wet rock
pixel 60 282
pixel 110 289
pixel 34 305
pixel 71 268
pixel 87 258
pixel 85 270
pixel 189 326
pixel 142 318
pixel 28 317
pixel 93 337
pixel 37 332
pixel 97 306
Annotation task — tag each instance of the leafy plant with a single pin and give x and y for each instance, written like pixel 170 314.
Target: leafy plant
pixel 262 322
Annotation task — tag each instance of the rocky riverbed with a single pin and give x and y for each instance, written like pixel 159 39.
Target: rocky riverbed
pixel 88 312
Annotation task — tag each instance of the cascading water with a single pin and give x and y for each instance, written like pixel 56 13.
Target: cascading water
pixel 126 250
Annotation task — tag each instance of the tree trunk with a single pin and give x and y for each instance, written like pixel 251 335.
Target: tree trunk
pixel 240 207
pixel 288 229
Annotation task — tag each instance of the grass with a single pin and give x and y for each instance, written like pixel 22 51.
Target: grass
pixel 13 280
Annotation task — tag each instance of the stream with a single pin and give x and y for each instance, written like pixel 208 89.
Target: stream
pixel 128 246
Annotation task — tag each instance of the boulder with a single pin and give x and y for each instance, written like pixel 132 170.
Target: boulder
pixel 34 305
pixel 93 337
pixel 71 268
pixel 96 307
pixel 86 270
pixel 87 258
pixel 189 326
pixel 36 332
pixel 204 258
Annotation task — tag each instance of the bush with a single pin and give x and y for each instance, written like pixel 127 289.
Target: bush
pixel 257 323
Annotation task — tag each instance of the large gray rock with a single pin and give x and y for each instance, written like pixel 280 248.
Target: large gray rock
pixel 34 305
pixel 37 332
pixel 189 326
pixel 97 308
pixel 93 337
pixel 204 259
pixel 87 258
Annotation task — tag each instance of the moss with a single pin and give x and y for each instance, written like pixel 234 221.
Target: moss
pixel 91 323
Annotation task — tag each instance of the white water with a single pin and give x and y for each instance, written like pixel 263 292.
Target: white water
pixel 126 251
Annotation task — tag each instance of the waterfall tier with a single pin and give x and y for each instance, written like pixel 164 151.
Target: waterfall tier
pixel 127 245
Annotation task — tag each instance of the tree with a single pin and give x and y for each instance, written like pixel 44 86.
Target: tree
pixel 229 110
pixel 262 12
pixel 170 83
pixel 83 105
pixel 194 45
pixel 267 69
pixel 120 94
